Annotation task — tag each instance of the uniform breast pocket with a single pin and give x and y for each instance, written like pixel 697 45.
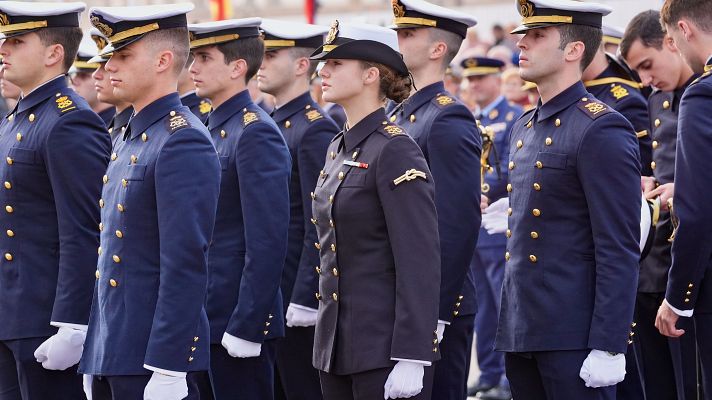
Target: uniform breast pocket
pixel 354 180
pixel 547 160
pixel 24 156
pixel 224 162
pixel 136 172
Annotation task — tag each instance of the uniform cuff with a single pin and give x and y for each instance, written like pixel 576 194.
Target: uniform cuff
pixel 421 362
pixel 175 374
pixel 301 307
pixel 681 313
pixel 78 327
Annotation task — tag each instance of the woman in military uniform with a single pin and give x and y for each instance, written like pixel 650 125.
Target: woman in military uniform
pixel 375 217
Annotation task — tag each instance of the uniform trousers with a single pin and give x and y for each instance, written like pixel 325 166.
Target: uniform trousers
pixel 703 331
pixel 368 385
pixel 295 377
pixel 236 378
pixel 451 371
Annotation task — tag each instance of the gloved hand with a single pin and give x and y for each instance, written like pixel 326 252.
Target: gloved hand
pixel 165 387
pixel 241 348
pixel 601 369
pixel 62 350
pixel 405 380
pixel 440 330
pixel 300 316
pixel 494 217
pixel 87 385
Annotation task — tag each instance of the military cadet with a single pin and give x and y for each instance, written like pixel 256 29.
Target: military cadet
pixel 80 77
pixel 572 249
pixel 669 365
pixel 611 38
pixel 610 82
pixel 375 216
pixel 690 277
pixel 54 150
pixel 429 37
pixel 200 107
pixel 285 74
pixel 497 116
pixel 148 326
pixel 102 84
pixel 249 246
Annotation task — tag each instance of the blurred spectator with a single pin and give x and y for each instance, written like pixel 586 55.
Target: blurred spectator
pixel 533 93
pixel 611 38
pixel 512 87
pixel 502 53
pixel 453 78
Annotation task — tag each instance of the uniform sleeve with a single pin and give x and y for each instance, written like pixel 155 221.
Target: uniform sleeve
pixel 263 166
pixel 411 219
pixel 691 252
pixel 454 147
pixel 635 109
pixel 310 157
pixel 76 155
pixel 187 178
pixel 610 176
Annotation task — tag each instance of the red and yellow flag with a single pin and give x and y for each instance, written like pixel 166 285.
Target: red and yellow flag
pixel 221 9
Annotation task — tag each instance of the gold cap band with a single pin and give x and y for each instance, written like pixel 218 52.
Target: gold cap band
pixel 213 40
pixel 279 43
pixel 140 30
pixel 414 21
pixel 23 26
pixel 548 19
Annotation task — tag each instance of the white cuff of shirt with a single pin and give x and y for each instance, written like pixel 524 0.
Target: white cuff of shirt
pixel 176 374
pixel 78 327
pixel 443 322
pixel 425 363
pixel 301 307
pixel 682 313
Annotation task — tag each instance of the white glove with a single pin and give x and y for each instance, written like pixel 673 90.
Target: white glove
pixel 61 350
pixel 405 380
pixel 241 348
pixel 300 316
pixel 165 387
pixel 601 369
pixel 494 217
pixel 440 330
pixel 87 385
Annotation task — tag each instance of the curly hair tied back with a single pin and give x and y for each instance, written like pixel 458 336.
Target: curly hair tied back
pixel 393 86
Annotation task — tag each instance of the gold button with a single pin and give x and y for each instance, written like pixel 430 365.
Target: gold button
pixel 116 258
pixel 539 165
pixel 393 118
pixel 9 209
pixel 584 99
pixel 507 256
pixel 10 233
pixel 8 256
pixel 331 198
pixel 333 248
pixel 193 348
pixel 134 159
pixel 32 117
pixel 120 207
pixel 435 349
pixel 114 156
pixel 101 226
pixel 11 117
pixel 19 137
pixel 633 325
pixel 119 234
pixel 666 104
pixel 548 141
pixel 287 124
pixel 460 297
pixel 196 338
pixel 687 300
pixel 113 283
pixel 223 134
pixel 455 313
pixel 313 196
pixel 341 175
pixel 8 185
pixel 101 203
pixel 9 160
pixel 534 235
pixel 511 165
pixel 105 179
pixel 124 182
pixel 144 136
pixel 435 341
pixel 536 212
pixel 537 187
pixel 509 187
pixel 318 269
pixel 520 144
pixel 688 293
pixel 333 155
pixel 335 271
pixel 335 297
pixel 331 223
pixel 509 233
pixel 655 144
pixel 353 156
pixel 630 342
pixel 190 359
pixel 314 221
pixel 529 124
pixel 652 165
pixel 532 258
pixel 173 113
pixel 318 296
pixel 265 332
pixel 690 286
pixel 509 211
pixel 657 122
pixel 98 250
pixel 412 118
pixel 322 173
pixel 557 122
pixel 96 274
pixel 318 246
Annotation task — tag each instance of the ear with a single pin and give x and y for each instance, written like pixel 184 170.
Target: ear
pixel 238 69
pixel 54 54
pixel 371 75
pixel 301 66
pixel 164 61
pixel 574 51
pixel 438 50
pixel 669 43
pixel 686 28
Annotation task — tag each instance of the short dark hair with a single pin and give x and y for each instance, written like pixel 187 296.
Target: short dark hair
pixel 251 49
pixel 67 37
pixel 697 11
pixel 646 28
pixel 589 35
pixel 173 39
pixel 453 41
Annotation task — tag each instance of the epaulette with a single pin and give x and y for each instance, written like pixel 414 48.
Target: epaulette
pixel 204 107
pixel 176 121
pixel 592 108
pixel 392 130
pixel 64 103
pixel 249 117
pixel 619 91
pixel 699 78
pixel 312 115
pixel 443 100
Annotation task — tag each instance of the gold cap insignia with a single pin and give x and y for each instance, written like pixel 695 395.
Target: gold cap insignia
pixel 100 42
pixel 191 36
pixel 4 20
pixel 471 63
pixel 102 27
pixel 333 32
pixel 398 9
pixel 526 9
